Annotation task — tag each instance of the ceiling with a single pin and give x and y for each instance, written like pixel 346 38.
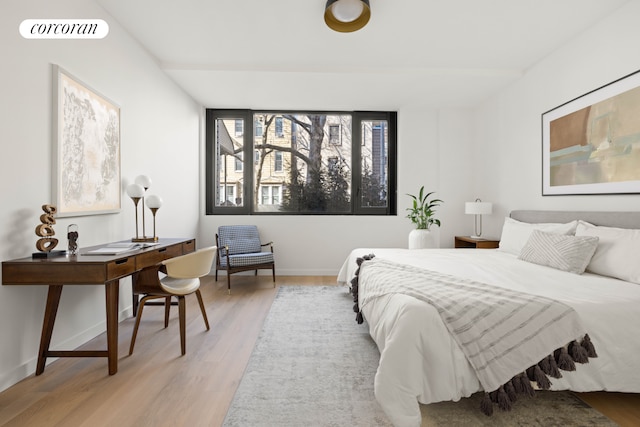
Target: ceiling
pixel 280 54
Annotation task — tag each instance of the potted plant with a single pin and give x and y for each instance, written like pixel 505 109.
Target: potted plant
pixel 421 213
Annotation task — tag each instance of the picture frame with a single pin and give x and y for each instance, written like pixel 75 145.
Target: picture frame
pixel 591 144
pixel 86 149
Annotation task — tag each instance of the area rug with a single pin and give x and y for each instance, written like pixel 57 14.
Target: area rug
pixel 313 365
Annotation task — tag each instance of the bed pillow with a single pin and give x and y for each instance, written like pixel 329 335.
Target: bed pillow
pixel 566 253
pixel 515 233
pixel 617 252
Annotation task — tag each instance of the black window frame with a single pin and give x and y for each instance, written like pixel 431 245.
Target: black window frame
pixel 247 115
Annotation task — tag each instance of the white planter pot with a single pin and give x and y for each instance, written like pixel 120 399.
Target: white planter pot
pixel 422 239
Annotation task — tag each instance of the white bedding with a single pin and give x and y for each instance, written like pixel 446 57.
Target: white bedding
pixel 420 362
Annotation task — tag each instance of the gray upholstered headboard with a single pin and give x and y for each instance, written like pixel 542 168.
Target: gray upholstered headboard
pixel 607 219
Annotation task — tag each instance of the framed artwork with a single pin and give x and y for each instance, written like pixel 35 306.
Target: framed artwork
pixel 86 154
pixel 591 145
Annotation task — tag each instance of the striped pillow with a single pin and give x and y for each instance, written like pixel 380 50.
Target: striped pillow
pixel 566 253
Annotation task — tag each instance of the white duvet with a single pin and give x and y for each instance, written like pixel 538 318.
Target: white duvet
pixel 420 362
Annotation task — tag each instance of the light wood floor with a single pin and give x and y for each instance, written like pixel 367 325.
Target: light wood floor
pixel 158 387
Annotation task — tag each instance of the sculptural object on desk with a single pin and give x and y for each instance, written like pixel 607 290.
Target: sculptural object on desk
pixel 47 242
pixel 72 236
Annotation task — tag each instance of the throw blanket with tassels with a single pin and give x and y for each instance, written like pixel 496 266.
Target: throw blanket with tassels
pixel 510 338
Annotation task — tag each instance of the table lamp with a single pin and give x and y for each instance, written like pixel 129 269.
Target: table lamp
pixel 135 191
pixel 477 208
pixel 154 203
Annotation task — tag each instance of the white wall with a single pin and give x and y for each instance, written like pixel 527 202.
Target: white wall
pixel 508 127
pixel 159 137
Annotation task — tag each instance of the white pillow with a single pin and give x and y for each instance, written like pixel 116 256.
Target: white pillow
pixel 562 252
pixel 617 252
pixel 515 233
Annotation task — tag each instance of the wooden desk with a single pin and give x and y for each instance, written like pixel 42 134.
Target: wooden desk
pixel 83 270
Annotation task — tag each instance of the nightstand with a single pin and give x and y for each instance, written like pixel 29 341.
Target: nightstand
pixel 475 243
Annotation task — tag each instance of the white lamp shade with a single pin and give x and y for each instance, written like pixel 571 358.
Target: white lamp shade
pixel 347 10
pixel 478 208
pixel 153 201
pixel 143 180
pixel 135 190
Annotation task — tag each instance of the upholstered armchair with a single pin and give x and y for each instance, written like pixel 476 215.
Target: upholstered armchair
pixel 240 249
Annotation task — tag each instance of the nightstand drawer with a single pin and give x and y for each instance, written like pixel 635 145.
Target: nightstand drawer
pixel 475 243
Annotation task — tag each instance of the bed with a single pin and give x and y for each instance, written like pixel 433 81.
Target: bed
pixel 420 362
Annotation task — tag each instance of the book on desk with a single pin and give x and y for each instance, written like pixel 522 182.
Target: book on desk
pixel 118 248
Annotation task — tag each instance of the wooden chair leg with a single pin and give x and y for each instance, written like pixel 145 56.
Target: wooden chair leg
pixel 204 312
pixel 135 328
pixel 167 309
pixel 228 282
pixel 181 311
pixel 273 271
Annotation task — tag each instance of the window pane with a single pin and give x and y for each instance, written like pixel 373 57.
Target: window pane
pixel 374 167
pixel 239 130
pixel 314 175
pixel 334 134
pixel 229 164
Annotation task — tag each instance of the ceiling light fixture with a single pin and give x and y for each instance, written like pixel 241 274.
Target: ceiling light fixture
pixel 346 16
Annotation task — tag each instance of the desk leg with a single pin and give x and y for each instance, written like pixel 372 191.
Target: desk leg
pixel 112 290
pixel 53 300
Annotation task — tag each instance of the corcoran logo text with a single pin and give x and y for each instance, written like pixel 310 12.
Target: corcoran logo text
pixel 64 29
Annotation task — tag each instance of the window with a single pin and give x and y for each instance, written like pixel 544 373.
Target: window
pixel 332 163
pixel 303 163
pixel 374 163
pixel 277 166
pixel 270 194
pixel 227 195
pixel 334 134
pixel 279 127
pixel 239 130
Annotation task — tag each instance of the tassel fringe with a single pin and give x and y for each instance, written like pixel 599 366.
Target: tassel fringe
pixel 486 406
pixel 354 287
pixel 586 343
pixel 564 358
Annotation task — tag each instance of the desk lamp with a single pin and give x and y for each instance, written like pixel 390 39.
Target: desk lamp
pixel 154 203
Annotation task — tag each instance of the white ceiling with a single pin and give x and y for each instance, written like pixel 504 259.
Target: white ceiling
pixel 280 54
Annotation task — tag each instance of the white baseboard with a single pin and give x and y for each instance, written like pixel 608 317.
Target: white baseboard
pixel 283 272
